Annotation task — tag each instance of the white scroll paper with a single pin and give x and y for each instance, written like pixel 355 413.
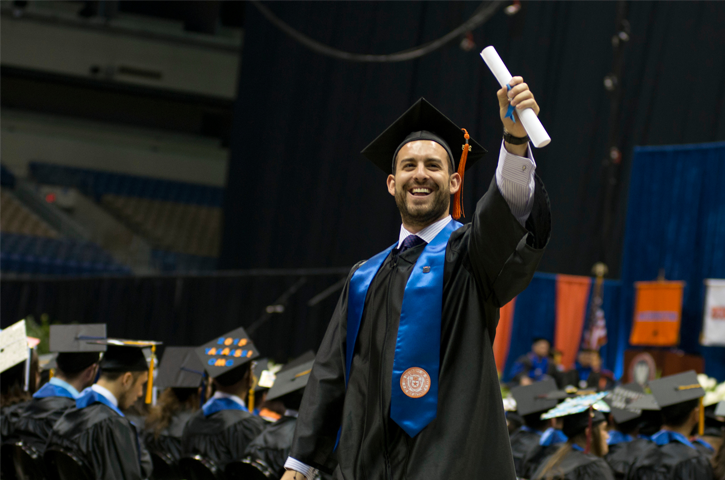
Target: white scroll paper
pixel 532 125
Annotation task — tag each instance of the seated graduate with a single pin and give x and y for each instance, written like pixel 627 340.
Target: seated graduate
pixel 15 394
pixel 269 451
pixel 550 441
pixel 222 429
pixel 96 431
pixel 581 456
pixel 180 377
pixel 672 455
pixel 76 366
pixel 712 436
pixel 530 404
pixel 535 365
pixel 625 444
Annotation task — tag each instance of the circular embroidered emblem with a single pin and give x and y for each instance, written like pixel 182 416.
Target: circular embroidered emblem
pixel 415 382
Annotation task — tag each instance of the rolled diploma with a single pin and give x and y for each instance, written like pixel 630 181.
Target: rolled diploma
pixel 528 118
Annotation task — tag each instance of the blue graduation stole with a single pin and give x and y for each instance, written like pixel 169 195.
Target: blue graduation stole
pixel 90 396
pixel 50 390
pixel 615 437
pixel 663 437
pixel 218 404
pixel 414 397
pixel 552 436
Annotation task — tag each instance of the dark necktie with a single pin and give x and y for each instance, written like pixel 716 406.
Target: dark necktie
pixel 410 242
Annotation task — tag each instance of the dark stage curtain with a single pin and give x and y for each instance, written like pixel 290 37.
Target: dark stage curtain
pixel 676 222
pixel 300 195
pixel 183 310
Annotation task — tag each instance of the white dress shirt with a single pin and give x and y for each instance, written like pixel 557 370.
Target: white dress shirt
pixel 515 181
pixel 235 398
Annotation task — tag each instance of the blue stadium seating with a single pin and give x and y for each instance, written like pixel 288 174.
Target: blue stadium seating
pixel 49 256
pixel 169 262
pixel 96 183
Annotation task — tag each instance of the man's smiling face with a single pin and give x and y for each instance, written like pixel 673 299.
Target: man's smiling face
pixel 422 184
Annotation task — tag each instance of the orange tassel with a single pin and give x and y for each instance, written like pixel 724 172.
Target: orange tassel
pixel 457 202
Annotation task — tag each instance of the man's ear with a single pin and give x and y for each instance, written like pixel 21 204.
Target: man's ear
pixel 455 182
pixel 391 184
pixel 127 380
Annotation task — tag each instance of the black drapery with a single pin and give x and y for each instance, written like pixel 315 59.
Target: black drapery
pixel 299 194
pixel 186 310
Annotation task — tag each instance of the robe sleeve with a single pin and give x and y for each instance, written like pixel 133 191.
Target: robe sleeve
pixel 320 414
pixel 241 434
pixel 503 254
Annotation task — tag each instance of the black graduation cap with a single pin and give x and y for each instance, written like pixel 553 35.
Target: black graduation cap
pixel 226 353
pixel 676 389
pixel 619 400
pixel 533 398
pixel 720 409
pixel 423 121
pixel 308 356
pixel 291 380
pixel 577 413
pixel 180 367
pixel 645 402
pixel 124 355
pixel 71 343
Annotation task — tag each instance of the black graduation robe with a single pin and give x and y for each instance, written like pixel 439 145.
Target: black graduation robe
pixel 271 448
pixel 104 440
pixel 488 262
pixel 222 436
pixel 8 418
pixel 522 442
pixel 536 457
pixel 36 422
pixel 578 465
pixel 673 461
pixel 622 455
pixel 169 439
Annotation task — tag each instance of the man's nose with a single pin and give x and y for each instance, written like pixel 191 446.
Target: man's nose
pixel 421 173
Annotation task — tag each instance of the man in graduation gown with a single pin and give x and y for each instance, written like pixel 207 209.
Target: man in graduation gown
pixel 671 455
pixel 222 429
pixel 96 431
pixel 404 383
pixel 76 365
pixel 625 444
pixel 530 403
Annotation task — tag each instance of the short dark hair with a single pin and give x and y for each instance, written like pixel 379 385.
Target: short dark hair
pixel 676 415
pixel 533 420
pixel 233 376
pixel 114 375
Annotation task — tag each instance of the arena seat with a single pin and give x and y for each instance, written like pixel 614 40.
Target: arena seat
pixel 15 218
pixel 199 468
pixel 28 462
pixel 63 465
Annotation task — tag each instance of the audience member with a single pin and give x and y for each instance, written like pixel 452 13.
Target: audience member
pixel 535 365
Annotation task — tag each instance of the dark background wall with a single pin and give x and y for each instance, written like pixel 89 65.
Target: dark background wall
pixel 300 194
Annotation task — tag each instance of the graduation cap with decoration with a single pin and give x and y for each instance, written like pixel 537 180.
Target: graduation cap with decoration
pixel 13 346
pixel 568 392
pixel 679 388
pixel 223 356
pixel 291 380
pixel 72 345
pixel 423 121
pixel 533 398
pixel 580 413
pixel 619 400
pixel 123 355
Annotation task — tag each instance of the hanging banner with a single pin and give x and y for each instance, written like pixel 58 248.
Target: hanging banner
pixel 503 335
pixel 713 327
pixel 657 313
pixel 572 294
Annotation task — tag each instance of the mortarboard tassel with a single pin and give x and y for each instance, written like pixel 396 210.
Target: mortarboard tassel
pixel 150 384
pixel 701 425
pixel 252 386
pixel 589 430
pixel 457 201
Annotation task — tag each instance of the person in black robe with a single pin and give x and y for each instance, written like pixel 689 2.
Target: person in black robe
pixel 530 403
pixel 551 440
pixel 221 431
pixel 96 431
pixel 76 365
pixel 486 263
pixel 672 456
pixel 580 457
pixel 180 377
pixel 268 452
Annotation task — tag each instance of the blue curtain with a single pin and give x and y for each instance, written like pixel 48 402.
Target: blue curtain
pixel 534 316
pixel 676 222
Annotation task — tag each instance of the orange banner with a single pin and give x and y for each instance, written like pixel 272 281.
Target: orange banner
pixel 657 311
pixel 572 294
pixel 503 335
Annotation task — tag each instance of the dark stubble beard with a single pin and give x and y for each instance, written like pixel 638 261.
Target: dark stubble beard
pixel 421 218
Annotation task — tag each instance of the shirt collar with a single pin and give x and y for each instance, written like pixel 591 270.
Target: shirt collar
pixel 428 233
pixel 235 398
pixel 106 393
pixel 63 384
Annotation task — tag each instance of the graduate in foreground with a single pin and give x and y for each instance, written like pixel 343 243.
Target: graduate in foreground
pixel 404 383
